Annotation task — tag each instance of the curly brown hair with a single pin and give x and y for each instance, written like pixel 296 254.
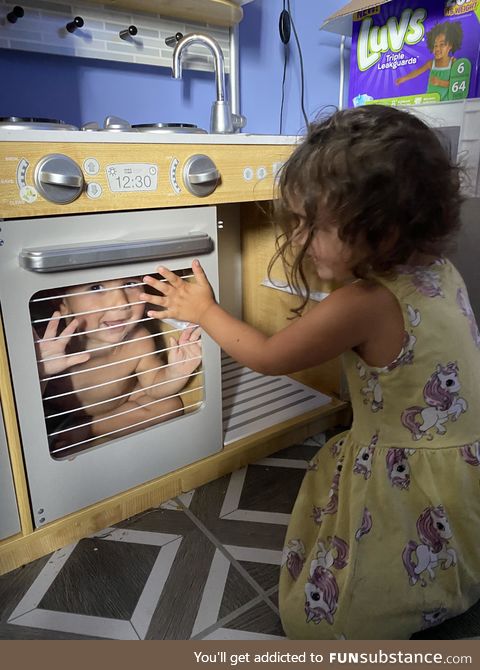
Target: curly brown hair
pixel 385 180
pixel 453 32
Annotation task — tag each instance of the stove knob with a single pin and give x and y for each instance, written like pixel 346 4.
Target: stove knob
pixel 59 179
pixel 200 175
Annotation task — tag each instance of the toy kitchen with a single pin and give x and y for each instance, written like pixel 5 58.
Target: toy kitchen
pixel 91 210
pixel 94 427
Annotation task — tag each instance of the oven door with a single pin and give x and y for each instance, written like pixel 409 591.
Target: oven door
pixel 106 397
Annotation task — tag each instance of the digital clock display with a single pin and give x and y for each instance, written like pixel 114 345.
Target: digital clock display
pixel 132 177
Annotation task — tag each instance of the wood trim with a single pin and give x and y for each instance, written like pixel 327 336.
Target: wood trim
pixel 19 550
pixel 217 12
pixel 233 162
pixel 13 438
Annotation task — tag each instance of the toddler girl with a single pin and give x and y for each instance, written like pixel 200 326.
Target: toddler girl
pixel 383 538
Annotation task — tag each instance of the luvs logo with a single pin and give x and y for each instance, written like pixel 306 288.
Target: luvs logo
pixel 375 40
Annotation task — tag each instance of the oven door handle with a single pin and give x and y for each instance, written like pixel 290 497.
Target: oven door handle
pixel 79 256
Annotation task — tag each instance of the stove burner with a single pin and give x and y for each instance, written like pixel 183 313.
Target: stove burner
pixel 168 128
pixel 111 124
pixel 33 123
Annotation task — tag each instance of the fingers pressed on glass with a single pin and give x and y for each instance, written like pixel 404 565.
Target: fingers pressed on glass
pixel 163 314
pixel 51 329
pixel 71 327
pixel 157 284
pixel 170 276
pixel 154 299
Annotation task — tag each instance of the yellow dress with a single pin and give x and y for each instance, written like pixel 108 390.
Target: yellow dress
pixel 384 538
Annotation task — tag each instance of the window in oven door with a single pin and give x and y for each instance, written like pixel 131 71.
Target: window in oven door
pixel 107 398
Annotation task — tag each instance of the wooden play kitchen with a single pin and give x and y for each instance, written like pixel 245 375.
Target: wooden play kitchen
pixel 98 207
pixel 67 197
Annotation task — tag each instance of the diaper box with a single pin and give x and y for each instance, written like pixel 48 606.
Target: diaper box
pixel 407 52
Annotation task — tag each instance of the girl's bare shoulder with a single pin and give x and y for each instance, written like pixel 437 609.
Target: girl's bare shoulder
pixel 366 294
pixel 367 305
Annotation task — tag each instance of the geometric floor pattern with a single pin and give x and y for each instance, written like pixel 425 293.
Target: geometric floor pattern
pixel 204 565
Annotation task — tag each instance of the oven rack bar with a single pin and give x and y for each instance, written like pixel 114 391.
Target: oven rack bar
pixel 61 296
pixel 103 290
pixel 127 411
pixel 89 332
pixel 107 365
pixel 123 395
pixel 113 346
pixel 120 430
pixel 113 381
pixel 98 330
pixel 90 311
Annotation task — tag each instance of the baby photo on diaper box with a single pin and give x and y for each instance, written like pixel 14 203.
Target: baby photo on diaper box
pixel 408 52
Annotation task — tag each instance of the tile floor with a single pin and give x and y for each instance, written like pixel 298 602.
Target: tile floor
pixel 204 565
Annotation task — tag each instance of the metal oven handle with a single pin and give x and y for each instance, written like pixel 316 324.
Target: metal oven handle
pixel 78 256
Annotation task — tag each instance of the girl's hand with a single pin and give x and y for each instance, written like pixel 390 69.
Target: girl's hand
pixel 186 353
pixel 52 346
pixel 182 300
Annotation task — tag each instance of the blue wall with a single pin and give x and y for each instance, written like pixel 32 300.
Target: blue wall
pixel 79 90
pixel 261 64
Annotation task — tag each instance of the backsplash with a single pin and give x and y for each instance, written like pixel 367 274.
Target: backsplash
pixel 43 29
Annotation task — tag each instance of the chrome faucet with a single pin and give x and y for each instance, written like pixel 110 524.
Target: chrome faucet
pixel 221 119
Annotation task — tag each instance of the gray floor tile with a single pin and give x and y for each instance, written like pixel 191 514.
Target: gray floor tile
pixel 16 583
pixel 257 622
pixel 124 568
pixel 259 619
pixel 270 489
pixel 265 574
pixel 10 632
pixel 104 586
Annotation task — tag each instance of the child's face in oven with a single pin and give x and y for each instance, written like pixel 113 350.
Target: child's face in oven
pixel 110 308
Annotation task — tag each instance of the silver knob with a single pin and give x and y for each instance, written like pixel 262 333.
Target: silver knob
pixel 200 175
pixel 117 124
pixel 90 126
pixel 58 179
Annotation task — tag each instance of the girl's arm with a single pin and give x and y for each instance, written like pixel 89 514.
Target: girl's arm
pixel 342 321
pixel 415 73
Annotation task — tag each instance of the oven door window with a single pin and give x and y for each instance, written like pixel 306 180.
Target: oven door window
pixel 105 369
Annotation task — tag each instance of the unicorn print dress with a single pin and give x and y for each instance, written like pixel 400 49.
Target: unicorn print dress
pixel 384 536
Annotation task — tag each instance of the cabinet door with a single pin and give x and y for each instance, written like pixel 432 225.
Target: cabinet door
pixel 9 521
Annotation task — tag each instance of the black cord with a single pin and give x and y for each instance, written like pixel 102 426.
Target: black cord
pixel 285 63
pixel 302 74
